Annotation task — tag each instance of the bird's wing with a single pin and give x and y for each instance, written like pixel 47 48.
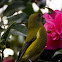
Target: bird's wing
pixel 25 46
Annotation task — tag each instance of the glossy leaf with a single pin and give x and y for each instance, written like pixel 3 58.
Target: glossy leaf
pixel 1 23
pixel 13 7
pixel 5 35
pixel 1 44
pixel 1 30
pixel 19 18
pixel 29 9
pixel 57 53
pixel 0 1
pixel 39 60
pixel 3 2
pixel 15 32
pixel 21 28
pixel 23 0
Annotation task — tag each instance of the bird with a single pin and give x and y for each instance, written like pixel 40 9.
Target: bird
pixel 35 41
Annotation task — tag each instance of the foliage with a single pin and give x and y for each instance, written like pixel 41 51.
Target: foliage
pixel 17 25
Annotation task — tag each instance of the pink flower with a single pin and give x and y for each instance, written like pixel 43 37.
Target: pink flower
pixel 9 59
pixel 53 27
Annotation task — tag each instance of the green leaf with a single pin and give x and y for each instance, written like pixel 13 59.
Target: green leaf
pixel 5 35
pixel 21 28
pixel 1 60
pixel 23 0
pixel 57 53
pixel 20 18
pixel 2 43
pixel 0 1
pixel 41 3
pixel 13 7
pixel 1 23
pixel 3 2
pixel 29 9
pixel 1 30
pixel 15 32
pixel 39 60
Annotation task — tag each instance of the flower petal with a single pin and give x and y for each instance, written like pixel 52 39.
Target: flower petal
pixel 52 44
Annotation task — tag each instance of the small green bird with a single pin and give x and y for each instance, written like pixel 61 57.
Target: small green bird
pixel 36 39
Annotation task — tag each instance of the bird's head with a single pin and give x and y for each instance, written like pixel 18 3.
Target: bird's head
pixel 34 20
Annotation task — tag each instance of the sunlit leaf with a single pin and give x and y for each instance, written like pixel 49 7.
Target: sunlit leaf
pixel 3 2
pixel 19 18
pixel 5 35
pixel 57 53
pixel 13 7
